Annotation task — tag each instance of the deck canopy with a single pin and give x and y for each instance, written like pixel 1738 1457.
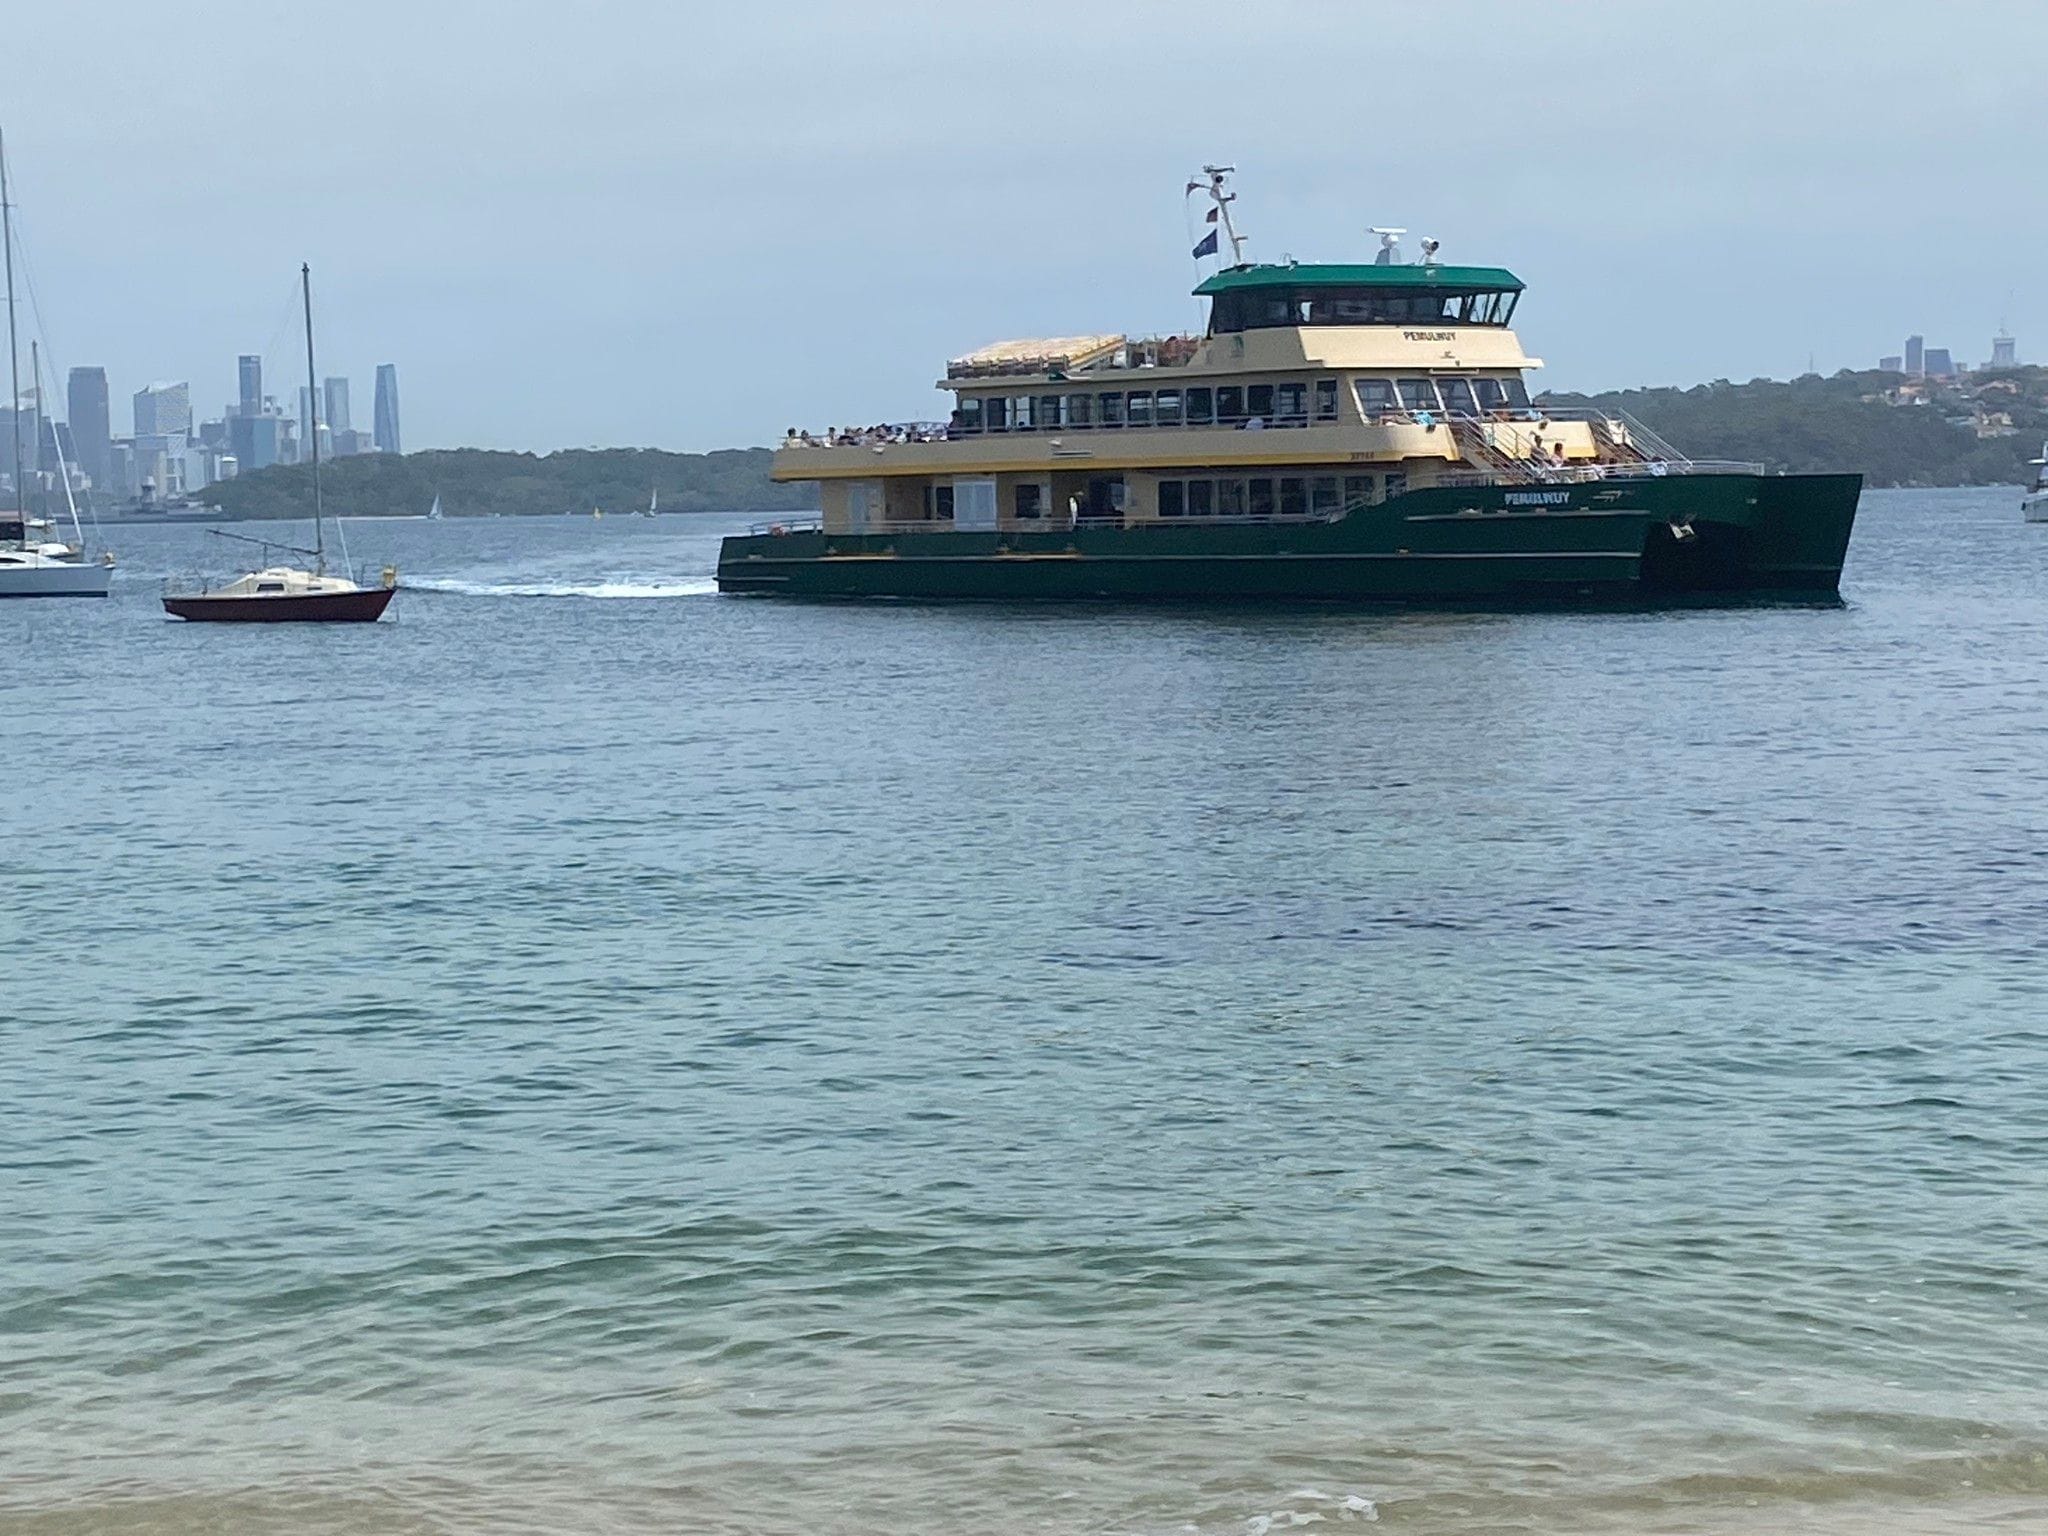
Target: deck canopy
pixel 1261 297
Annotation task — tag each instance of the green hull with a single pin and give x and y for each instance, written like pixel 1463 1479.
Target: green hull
pixel 1732 535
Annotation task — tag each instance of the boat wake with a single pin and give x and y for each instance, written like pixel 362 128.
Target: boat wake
pixel 699 587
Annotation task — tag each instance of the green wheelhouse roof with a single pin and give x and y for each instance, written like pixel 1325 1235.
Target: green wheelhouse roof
pixel 1298 276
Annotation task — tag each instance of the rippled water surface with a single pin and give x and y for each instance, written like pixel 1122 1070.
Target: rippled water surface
pixel 591 1055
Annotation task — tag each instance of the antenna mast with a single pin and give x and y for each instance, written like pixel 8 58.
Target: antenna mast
pixel 1223 200
pixel 313 421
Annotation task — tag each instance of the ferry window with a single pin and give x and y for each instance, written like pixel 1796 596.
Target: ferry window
pixel 1201 498
pixel 1491 396
pixel 1258 400
pixel 1290 403
pixel 1172 498
pixel 1326 399
pixel 1166 407
pixel 1079 409
pixel 1322 495
pixel 1201 407
pixel 1230 403
pixel 1518 394
pixel 1260 501
pixel 1230 499
pixel 1293 497
pixel 1271 310
pixel 938 502
pixel 1419 395
pixel 1110 410
pixel 1357 490
pixel 1022 418
pixel 1457 395
pixel 1138 408
pixel 967 416
pixel 1375 396
pixel 1048 410
pixel 1028 499
pixel 998 413
pixel 1397 484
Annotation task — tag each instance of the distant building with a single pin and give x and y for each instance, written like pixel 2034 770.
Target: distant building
pixel 23 417
pixel 1915 358
pixel 307 414
pixel 257 442
pixel 349 443
pixel 163 410
pixel 2005 351
pixel 387 408
pixel 1891 365
pixel 250 370
pixel 336 391
pixel 92 434
pixel 1937 364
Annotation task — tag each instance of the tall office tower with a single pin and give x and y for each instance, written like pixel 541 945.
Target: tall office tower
pixel 1892 364
pixel 91 432
pixel 336 391
pixel 387 408
pixel 1914 360
pixel 1938 364
pixel 2005 351
pixel 251 371
pixel 164 410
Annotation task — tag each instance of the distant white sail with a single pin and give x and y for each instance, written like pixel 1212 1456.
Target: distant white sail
pixel 435 510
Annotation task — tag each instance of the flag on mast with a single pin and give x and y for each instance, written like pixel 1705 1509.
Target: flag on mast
pixel 1207 246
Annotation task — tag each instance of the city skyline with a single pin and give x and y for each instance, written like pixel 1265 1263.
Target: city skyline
pixel 564 260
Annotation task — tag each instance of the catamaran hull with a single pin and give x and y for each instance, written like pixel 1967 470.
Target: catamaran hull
pixel 1731 536
pixel 361 607
pixel 55 579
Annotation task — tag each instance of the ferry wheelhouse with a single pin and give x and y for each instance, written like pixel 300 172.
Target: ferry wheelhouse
pixel 1360 432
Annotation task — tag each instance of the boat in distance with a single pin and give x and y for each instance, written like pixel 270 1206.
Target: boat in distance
pixel 1348 432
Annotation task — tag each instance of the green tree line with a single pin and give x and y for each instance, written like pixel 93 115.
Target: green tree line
pixel 475 482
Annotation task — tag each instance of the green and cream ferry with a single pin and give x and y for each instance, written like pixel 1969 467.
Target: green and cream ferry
pixel 1349 432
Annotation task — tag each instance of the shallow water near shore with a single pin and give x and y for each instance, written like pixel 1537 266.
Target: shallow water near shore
pixel 591 1055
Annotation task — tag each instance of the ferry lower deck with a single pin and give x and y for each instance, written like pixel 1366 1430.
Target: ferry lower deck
pixel 1732 535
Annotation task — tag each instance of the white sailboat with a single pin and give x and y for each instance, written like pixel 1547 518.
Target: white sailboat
pixel 32 564
pixel 434 514
pixel 653 502
pixel 2034 505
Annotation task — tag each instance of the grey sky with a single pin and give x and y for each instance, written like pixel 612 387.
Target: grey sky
pixel 660 224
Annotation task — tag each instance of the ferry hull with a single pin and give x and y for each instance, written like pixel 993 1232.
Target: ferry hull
pixel 1732 536
pixel 53 578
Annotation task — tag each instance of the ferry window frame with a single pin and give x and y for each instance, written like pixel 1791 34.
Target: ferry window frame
pixel 1388 406
pixel 1447 383
pixel 1201 498
pixel 1322 495
pixel 938 501
pixel 1035 499
pixel 1253 411
pixel 1491 394
pixel 1290 403
pixel 1293 496
pixel 1409 400
pixel 1201 406
pixel 1109 408
pixel 1078 410
pixel 1363 304
pixel 997 415
pixel 1023 414
pixel 1358 490
pixel 1518 393
pixel 1049 412
pixel 1260 496
pixel 967 414
pixel 1138 409
pixel 1166 408
pixel 1230 498
pixel 1173 498
pixel 1326 399
pixel 1229 403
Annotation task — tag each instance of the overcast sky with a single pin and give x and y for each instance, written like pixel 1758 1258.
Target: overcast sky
pixel 623 222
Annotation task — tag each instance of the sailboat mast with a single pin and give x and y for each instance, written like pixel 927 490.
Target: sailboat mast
pixel 13 347
pixel 313 420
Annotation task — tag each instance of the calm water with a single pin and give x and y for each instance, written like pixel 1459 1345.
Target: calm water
pixel 589 1055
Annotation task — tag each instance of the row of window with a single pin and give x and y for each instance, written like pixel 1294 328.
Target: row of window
pixel 1365 306
pixel 1259 496
pixel 1292 403
pixel 1449 394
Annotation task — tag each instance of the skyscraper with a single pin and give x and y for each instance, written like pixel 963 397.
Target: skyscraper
pixel 91 432
pixel 387 408
pixel 336 391
pixel 251 369
pixel 1892 364
pixel 1938 364
pixel 2005 352
pixel 164 410
pixel 1914 348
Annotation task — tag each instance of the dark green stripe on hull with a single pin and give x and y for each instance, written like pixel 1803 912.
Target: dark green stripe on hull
pixel 1601 541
